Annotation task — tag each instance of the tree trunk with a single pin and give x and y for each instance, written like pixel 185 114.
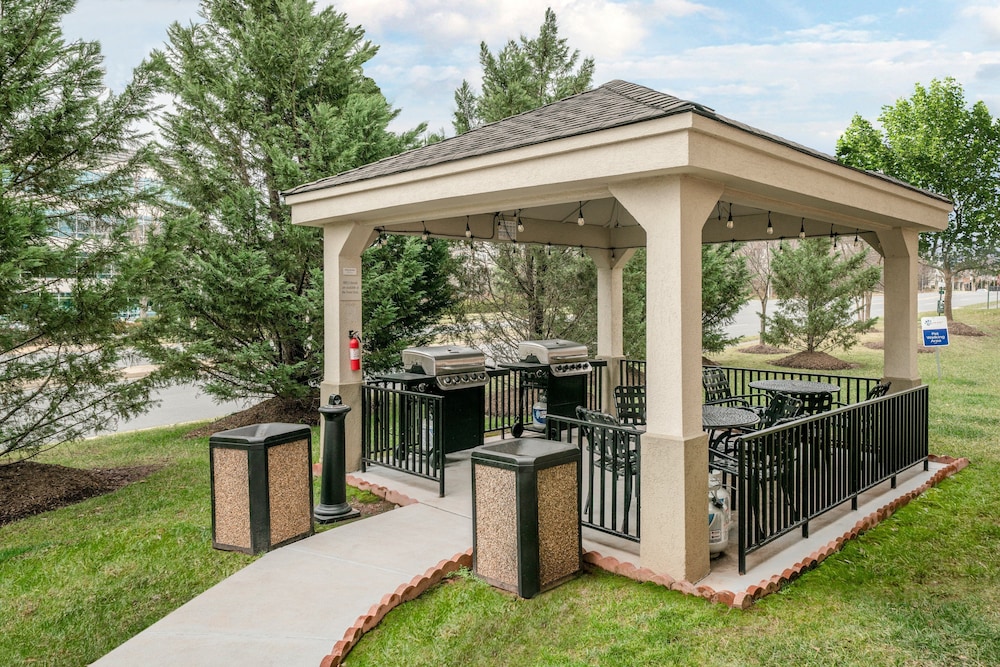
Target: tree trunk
pixel 948 275
pixel 763 319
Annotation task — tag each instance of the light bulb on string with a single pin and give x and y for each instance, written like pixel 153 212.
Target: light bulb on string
pixel 802 229
pixel 770 227
pixel 468 230
pixel 425 234
pixel 520 225
pixel 857 240
pixel 729 221
pixel 579 220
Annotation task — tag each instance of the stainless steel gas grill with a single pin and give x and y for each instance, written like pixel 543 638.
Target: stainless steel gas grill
pixel 553 374
pixel 448 367
pixel 458 375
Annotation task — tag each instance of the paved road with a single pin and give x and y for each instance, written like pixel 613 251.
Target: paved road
pixel 180 404
pixel 747 321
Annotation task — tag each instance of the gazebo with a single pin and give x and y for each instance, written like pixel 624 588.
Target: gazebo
pixel 613 169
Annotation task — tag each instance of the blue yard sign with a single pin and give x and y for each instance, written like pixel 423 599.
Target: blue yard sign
pixel 935 330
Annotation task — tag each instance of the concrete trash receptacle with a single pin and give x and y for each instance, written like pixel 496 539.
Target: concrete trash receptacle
pixel 261 486
pixel 526 514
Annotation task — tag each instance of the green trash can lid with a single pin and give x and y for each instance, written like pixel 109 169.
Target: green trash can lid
pixel 526 453
pixel 261 434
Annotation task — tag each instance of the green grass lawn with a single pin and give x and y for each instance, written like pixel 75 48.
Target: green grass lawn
pixel 920 589
pixel 79 581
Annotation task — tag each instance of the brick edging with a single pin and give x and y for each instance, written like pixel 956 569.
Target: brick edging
pixel 403 593
pixel 744 599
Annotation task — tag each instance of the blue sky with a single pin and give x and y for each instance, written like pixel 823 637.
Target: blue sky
pixel 800 70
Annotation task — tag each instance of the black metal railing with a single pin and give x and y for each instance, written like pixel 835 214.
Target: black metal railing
pixel 610 473
pixel 512 393
pixel 852 389
pixel 632 372
pixel 403 430
pixel 793 473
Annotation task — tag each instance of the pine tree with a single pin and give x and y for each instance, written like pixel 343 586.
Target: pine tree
pixel 527 292
pixel 817 290
pixel 268 94
pixel 70 190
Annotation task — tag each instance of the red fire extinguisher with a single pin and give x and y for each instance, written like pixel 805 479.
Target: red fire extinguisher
pixel 354 348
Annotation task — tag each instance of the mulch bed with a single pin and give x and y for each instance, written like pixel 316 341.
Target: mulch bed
pixel 287 411
pixel 814 361
pixel 762 349
pixel 28 488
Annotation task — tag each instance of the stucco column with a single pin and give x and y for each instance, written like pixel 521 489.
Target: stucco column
pixel 610 315
pixel 342 248
pixel 899 249
pixel 674 457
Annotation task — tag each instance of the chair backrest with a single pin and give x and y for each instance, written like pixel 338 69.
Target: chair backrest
pixel 813 404
pixel 611 444
pixel 879 390
pixel 716 384
pixel 781 408
pixel 630 404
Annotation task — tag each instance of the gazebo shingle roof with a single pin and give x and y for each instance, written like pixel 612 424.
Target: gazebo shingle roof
pixel 614 104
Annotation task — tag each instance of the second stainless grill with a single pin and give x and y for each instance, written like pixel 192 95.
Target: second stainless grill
pixel 553 372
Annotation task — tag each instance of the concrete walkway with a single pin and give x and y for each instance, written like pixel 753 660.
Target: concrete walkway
pixel 294 604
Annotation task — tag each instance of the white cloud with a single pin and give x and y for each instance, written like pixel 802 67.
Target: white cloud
pixel 987 17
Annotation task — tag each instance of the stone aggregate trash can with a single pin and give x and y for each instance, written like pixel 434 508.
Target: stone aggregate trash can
pixel 261 486
pixel 526 514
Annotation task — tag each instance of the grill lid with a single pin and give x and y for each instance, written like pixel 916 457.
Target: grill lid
pixel 552 351
pixel 438 360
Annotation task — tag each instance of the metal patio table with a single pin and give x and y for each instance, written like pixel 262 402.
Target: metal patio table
pixel 722 420
pixel 816 397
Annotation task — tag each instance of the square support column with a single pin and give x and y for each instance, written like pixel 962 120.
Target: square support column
pixel 342 248
pixel 899 249
pixel 610 315
pixel 672 211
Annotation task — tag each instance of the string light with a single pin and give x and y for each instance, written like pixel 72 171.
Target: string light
pixel 425 235
pixel 520 225
pixel 468 231
pixel 857 241
pixel 729 221
pixel 580 221
pixel 802 229
pixel 770 227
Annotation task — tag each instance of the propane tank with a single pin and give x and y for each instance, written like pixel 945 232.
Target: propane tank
pixel 719 515
pixel 539 410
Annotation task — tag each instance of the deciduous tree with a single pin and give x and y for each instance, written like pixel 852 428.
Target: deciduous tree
pixel 934 140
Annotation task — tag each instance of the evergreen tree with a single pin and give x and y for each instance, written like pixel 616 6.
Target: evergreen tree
pixel 268 94
pixel 817 290
pixel 725 287
pixel 70 190
pixel 934 141
pixel 527 292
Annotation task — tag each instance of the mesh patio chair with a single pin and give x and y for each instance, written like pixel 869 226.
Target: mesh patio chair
pixel 718 392
pixel 630 404
pixel 878 391
pixel 614 447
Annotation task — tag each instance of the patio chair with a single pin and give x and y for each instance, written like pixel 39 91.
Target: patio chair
pixel 878 391
pixel 781 409
pixel 718 392
pixel 614 447
pixel 630 404
pixel 770 468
